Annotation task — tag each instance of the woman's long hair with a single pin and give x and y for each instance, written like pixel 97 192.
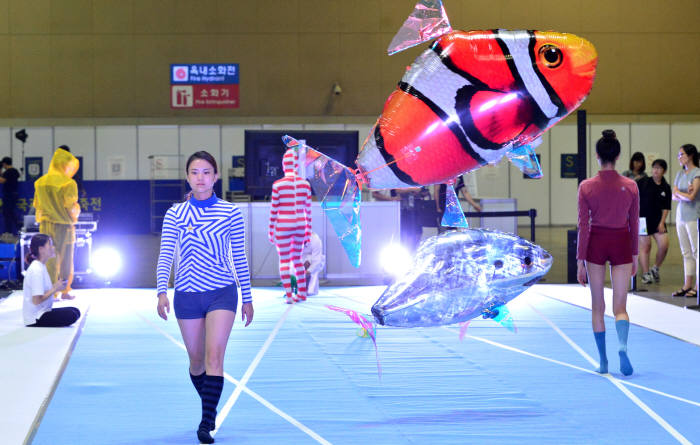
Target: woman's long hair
pixel 38 240
pixel 692 153
pixel 639 157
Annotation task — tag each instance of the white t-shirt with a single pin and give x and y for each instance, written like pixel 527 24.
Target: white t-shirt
pixel 313 253
pixel 36 282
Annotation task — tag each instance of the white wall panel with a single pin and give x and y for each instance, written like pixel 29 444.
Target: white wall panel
pixel 6 136
pixel 654 141
pixel 493 181
pixel 554 197
pixel 563 139
pixel 39 143
pixel 233 144
pixel 283 127
pixel 201 137
pixel 114 142
pixel 159 141
pixel 534 193
pixel 324 127
pixel 81 141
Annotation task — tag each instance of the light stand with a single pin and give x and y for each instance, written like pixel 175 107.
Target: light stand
pixel 22 136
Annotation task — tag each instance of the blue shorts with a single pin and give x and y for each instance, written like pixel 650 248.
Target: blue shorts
pixel 190 305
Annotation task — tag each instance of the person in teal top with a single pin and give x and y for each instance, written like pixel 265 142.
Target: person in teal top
pixel 685 190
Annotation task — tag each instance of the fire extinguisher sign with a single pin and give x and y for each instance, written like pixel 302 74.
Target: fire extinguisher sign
pixel 204 85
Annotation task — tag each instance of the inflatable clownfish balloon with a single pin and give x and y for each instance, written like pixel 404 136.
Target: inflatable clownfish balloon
pixel 472 98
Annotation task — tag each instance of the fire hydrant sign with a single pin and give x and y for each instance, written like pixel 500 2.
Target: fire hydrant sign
pixel 204 85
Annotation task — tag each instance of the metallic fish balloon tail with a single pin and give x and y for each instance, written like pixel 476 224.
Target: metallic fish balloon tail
pixel 460 275
pixel 365 324
pixel 336 186
pixel 427 21
pixel 505 319
pixel 453 216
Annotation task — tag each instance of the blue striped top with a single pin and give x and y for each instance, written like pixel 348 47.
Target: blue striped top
pixel 210 237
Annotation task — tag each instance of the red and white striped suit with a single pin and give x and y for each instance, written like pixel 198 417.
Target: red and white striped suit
pixel 290 223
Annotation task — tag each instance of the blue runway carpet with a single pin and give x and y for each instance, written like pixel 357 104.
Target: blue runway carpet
pixel 316 380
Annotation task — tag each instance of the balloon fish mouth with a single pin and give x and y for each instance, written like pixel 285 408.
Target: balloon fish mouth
pixel 378 315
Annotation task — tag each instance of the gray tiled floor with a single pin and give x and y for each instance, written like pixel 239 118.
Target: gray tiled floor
pixel 142 255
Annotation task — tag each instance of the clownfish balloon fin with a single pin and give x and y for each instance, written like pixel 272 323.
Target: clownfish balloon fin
pixel 427 21
pixel 453 216
pixel 525 158
pixel 339 191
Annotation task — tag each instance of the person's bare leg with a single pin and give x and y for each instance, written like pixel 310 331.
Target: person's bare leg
pixel 218 328
pixel 596 281
pixel 192 331
pixel 661 248
pixel 644 249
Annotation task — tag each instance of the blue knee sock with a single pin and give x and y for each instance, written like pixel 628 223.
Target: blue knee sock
pixel 600 343
pixel 623 328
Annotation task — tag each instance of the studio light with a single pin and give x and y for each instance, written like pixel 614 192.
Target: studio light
pixel 106 262
pixel 22 135
pixel 395 259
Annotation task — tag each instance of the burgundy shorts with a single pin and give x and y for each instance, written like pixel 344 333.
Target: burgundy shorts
pixel 614 245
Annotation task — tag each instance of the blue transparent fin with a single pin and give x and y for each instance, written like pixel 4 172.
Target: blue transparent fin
pixel 454 216
pixel 336 187
pixel 525 158
pixel 505 319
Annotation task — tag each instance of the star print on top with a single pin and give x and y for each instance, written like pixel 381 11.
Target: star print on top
pixel 211 240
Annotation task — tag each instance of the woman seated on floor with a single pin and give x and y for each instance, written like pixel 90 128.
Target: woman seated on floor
pixel 38 290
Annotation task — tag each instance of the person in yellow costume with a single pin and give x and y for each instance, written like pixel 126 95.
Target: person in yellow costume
pixel 57 210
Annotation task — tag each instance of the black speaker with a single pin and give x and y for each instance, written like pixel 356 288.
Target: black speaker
pixel 571 246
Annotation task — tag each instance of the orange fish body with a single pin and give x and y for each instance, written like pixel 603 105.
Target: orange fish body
pixel 471 98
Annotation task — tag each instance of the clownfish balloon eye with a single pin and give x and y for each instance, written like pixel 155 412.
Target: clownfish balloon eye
pixel 551 56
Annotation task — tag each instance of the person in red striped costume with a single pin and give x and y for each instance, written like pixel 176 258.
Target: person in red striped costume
pixel 290 224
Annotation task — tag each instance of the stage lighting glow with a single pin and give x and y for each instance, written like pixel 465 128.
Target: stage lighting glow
pixel 106 262
pixel 395 259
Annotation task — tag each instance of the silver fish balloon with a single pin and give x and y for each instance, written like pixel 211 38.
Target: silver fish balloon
pixel 460 275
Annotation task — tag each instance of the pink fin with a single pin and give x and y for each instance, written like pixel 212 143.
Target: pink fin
pixel 463 329
pixel 427 21
pixel 366 325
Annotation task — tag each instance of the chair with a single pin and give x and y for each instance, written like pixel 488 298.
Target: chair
pixel 8 266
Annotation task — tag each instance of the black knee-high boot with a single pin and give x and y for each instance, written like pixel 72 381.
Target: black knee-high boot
pixel 198 382
pixel 211 393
